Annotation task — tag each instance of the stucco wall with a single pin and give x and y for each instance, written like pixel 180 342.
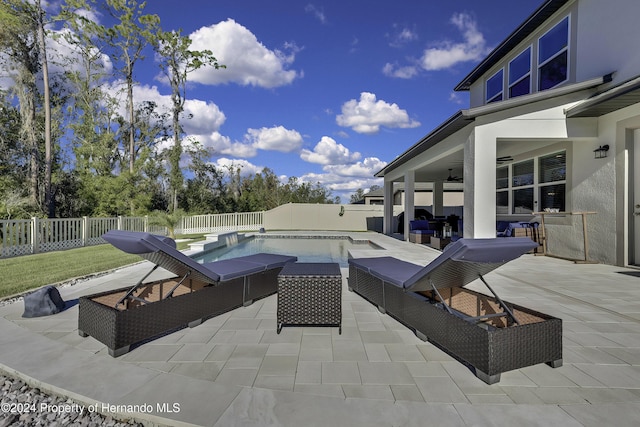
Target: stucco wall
pixel 301 216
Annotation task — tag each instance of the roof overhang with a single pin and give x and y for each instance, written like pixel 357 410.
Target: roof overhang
pixel 446 129
pixel 614 99
pixel 536 97
pixel 463 118
pixel 536 19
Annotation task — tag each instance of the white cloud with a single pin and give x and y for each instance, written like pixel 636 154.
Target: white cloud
pixel 317 12
pixel 329 152
pixel 246 168
pixel 368 114
pixel 364 169
pixel 402 37
pixel 223 145
pixel 339 183
pixel 62 57
pixel 448 53
pixel 455 98
pixel 276 138
pixel 248 61
pixel 394 70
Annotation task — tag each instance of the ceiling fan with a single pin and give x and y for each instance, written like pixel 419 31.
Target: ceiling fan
pixel 501 160
pixel 452 178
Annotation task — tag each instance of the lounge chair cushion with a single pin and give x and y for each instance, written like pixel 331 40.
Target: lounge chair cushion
pixel 162 251
pixel 389 269
pixel 228 269
pixel 459 264
pixel 269 260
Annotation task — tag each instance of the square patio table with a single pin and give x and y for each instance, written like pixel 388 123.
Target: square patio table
pixel 310 294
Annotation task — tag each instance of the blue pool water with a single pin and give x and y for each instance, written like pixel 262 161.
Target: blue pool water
pixel 306 249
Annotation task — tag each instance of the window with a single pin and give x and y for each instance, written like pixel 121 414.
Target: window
pixel 502 202
pixel 553 167
pixel 520 74
pixel 553 55
pixel 523 173
pixel 502 177
pixel 532 185
pixel 523 201
pixel 494 87
pixel 553 174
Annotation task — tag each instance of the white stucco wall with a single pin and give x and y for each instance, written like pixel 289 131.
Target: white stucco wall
pixel 607 39
pixel 306 216
pixel 604 39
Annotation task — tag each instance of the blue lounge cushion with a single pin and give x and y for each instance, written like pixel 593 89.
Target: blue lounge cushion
pixel 459 264
pixel 162 251
pixel 389 269
pixel 228 269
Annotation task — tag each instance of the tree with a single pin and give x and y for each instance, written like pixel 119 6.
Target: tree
pixel 40 22
pixel 360 193
pixel 129 37
pixel 168 220
pixel 206 192
pixel 176 61
pixel 18 42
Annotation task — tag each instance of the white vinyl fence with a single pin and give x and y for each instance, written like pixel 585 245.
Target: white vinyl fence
pixel 30 236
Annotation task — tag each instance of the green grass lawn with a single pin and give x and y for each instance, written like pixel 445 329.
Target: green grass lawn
pixel 28 272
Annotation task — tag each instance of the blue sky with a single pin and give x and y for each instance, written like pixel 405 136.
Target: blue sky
pixel 328 91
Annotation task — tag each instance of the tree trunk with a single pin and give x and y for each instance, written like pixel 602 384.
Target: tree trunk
pixel 49 201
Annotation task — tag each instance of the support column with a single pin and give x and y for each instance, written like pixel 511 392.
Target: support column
pixel 387 227
pixel 409 205
pixel 438 198
pixel 480 185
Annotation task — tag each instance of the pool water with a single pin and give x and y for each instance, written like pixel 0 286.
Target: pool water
pixel 306 249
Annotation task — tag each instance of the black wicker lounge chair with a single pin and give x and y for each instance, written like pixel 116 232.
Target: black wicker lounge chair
pixel 488 334
pixel 130 316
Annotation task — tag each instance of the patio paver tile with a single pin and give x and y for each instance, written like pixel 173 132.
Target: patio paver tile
pixel 368 391
pixel 391 373
pixel 340 373
pixel 278 365
pixel 440 390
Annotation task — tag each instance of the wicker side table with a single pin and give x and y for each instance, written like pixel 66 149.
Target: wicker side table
pixel 310 294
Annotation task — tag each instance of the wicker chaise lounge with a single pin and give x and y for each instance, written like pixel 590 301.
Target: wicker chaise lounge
pixel 129 316
pixel 486 333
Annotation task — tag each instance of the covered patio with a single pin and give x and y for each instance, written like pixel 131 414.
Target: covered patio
pixel 514 159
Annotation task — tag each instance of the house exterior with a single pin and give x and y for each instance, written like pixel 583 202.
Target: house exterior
pixel 553 124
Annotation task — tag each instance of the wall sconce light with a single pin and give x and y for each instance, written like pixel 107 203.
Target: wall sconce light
pixel 601 152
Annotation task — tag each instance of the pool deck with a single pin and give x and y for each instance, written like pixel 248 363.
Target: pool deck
pixel 234 370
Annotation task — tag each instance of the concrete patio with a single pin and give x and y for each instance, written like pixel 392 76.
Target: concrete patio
pixel 235 370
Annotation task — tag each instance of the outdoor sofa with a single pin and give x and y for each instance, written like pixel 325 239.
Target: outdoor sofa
pixel 133 315
pixel 420 231
pixel 488 334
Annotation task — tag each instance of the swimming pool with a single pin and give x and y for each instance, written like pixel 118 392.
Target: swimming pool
pixel 307 249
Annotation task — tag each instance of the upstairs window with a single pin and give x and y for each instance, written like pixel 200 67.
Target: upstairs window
pixel 553 56
pixel 520 74
pixel 494 87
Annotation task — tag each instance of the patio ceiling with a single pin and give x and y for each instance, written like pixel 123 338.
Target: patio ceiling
pixel 438 170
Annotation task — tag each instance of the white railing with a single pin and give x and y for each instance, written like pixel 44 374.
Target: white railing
pixel 30 236
pixel 240 221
